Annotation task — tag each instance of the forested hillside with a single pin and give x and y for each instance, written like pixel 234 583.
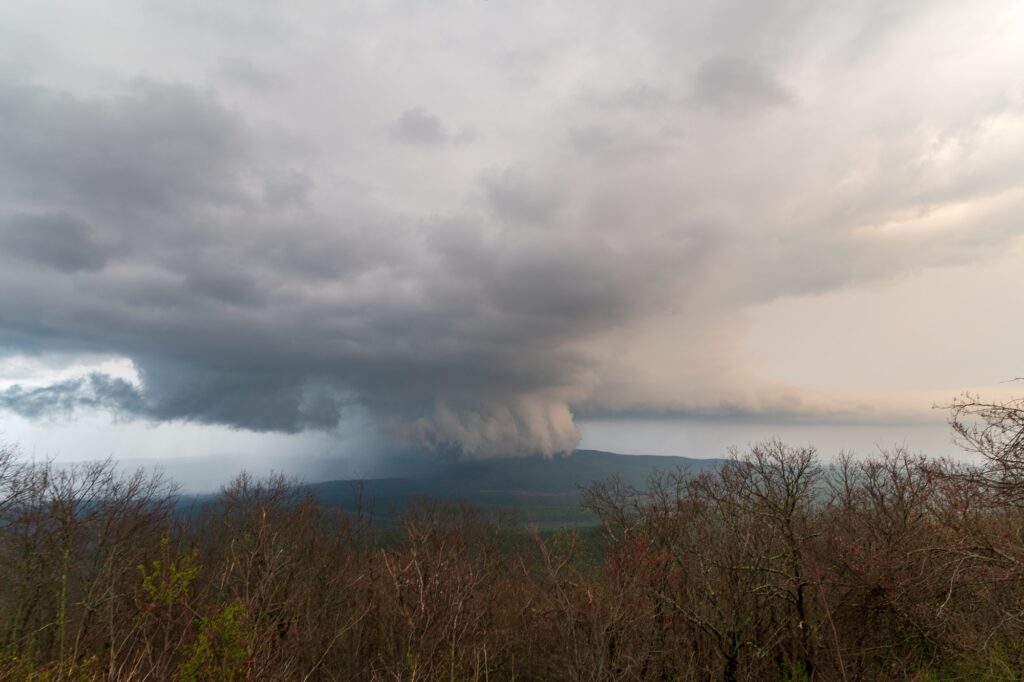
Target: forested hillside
pixel 542 490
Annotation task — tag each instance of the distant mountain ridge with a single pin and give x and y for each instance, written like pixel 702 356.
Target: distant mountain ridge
pixel 537 489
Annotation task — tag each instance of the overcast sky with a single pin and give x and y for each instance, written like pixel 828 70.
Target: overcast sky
pixel 497 227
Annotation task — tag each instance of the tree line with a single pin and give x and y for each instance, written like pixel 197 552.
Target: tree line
pixel 778 565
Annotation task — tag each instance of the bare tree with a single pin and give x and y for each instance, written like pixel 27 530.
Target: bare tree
pixel 995 431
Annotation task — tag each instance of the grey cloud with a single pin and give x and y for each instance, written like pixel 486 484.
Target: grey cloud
pixel 417 126
pixel 737 85
pixel 275 321
pixel 248 402
pixel 96 391
pixel 150 150
pixel 421 127
pixel 287 188
pixel 621 146
pixel 57 240
pixel 225 283
pixel 514 196
pixel 247 74
pixel 638 96
pixel 269 400
pixel 582 256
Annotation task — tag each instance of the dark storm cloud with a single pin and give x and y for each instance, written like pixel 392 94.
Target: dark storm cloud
pixel 271 400
pixel 258 311
pixel 271 248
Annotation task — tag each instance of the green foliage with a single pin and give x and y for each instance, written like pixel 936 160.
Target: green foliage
pixel 166 583
pixel 795 671
pixel 16 669
pixel 221 651
pixel 1001 661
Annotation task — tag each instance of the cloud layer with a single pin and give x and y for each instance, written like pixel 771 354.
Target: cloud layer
pixel 474 221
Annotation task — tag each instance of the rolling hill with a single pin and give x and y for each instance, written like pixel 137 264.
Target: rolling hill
pixel 540 490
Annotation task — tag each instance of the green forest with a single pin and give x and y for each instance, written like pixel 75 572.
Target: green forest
pixel 778 564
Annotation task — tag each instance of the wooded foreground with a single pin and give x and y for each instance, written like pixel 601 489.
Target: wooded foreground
pixel 775 566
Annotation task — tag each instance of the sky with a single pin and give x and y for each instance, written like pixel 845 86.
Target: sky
pixel 493 228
